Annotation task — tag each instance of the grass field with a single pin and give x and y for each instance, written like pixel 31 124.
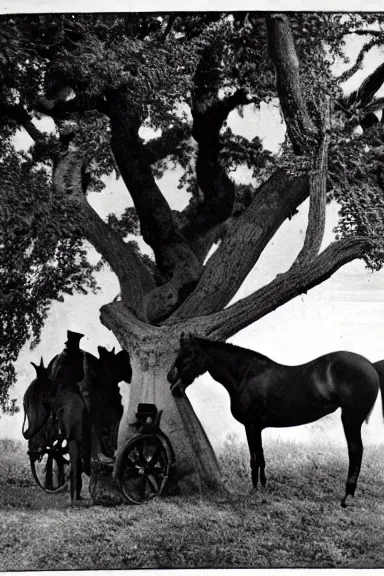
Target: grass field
pixel 295 522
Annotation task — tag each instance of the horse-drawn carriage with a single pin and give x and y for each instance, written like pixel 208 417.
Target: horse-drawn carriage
pixel 73 408
pixel 143 466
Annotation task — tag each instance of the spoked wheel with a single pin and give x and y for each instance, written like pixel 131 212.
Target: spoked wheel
pixel 143 468
pixel 51 468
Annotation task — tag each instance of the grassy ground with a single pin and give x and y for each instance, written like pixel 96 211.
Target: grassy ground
pixel 295 522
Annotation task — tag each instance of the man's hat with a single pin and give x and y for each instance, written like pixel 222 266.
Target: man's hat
pixel 73 339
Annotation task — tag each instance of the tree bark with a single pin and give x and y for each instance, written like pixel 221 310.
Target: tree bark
pixel 274 202
pixel 300 128
pixel 153 350
pixel 176 261
pixel 135 280
pixel 317 197
pixel 285 287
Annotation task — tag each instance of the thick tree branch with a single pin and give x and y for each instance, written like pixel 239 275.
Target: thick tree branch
pixel 61 107
pixel 135 280
pixel 209 114
pixel 376 105
pixel 367 32
pixel 176 261
pixel 368 88
pixel 359 60
pixel 166 144
pixel 300 128
pixel 17 113
pixel 155 150
pixel 317 197
pixel 274 202
pixel 286 286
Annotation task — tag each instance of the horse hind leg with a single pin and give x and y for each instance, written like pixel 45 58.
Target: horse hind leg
pixel 257 456
pixel 74 459
pixel 352 429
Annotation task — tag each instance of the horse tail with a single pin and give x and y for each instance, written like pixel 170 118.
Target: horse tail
pixel 381 383
pixel 369 414
pixel 379 367
pixel 25 417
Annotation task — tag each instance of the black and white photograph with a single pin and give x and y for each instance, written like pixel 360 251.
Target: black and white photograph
pixel 191 286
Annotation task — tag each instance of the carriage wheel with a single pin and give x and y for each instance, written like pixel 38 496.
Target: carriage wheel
pixel 143 468
pixel 51 468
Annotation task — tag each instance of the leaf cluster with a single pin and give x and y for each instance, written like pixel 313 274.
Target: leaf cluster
pixel 154 59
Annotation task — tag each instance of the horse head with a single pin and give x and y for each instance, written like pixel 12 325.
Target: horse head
pixel 115 367
pixel 189 364
pixel 37 401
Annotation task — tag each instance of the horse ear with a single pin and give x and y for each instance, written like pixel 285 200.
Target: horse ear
pixel 101 351
pixel 41 363
pixel 35 367
pixel 182 337
pixel 190 339
pixel 113 350
pixel 123 365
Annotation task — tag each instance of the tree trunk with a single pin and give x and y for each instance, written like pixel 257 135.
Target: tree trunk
pixel 197 467
pixel 152 351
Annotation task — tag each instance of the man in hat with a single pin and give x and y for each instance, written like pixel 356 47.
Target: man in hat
pixel 74 356
pixel 73 342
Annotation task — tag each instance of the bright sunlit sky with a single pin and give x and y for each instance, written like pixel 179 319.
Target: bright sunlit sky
pixel 346 312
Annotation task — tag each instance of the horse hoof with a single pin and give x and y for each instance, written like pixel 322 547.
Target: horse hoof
pixel 345 500
pixel 103 459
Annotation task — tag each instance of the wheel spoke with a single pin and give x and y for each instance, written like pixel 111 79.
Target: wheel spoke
pixel 130 463
pixel 49 473
pixel 133 472
pixel 61 461
pixel 142 488
pixel 153 485
pixel 160 471
pixel 142 459
pixel 60 476
pixel 155 458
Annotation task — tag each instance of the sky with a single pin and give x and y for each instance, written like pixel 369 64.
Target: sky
pixel 344 313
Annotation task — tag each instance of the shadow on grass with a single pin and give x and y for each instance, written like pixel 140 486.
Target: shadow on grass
pixel 295 522
pixel 299 470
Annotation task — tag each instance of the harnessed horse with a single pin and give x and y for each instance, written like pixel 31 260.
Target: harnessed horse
pixel 65 389
pixel 264 393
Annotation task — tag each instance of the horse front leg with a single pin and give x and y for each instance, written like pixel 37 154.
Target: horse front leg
pixel 79 481
pixel 257 455
pixel 74 458
pixel 352 430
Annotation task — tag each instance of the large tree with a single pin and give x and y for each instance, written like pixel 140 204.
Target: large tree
pixel 101 79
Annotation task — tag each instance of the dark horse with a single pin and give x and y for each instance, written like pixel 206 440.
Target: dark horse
pixel 72 383
pixel 264 393
pixel 379 367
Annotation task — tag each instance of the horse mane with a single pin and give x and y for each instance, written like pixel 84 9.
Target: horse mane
pixel 241 352
pixel 38 390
